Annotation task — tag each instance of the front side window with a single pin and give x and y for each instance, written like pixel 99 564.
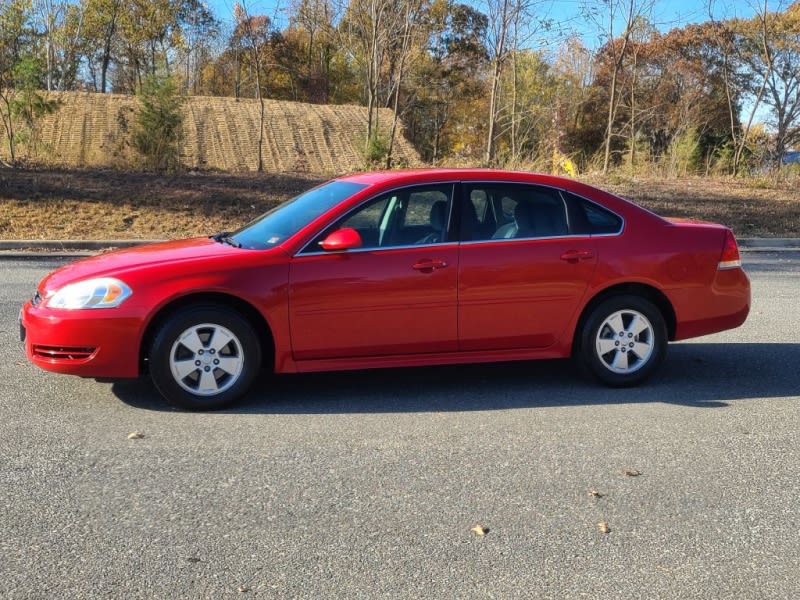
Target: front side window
pixel 515 211
pixel 410 216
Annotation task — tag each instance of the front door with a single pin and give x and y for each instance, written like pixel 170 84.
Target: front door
pixel 394 295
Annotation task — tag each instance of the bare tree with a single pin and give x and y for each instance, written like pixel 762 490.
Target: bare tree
pixel 731 35
pixel 368 28
pixel 101 31
pixel 410 13
pixel 252 32
pixel 777 62
pixel 512 24
pixel 605 14
pixel 62 24
pixel 316 18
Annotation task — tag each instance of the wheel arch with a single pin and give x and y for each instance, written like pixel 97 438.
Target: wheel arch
pixel 648 292
pixel 249 312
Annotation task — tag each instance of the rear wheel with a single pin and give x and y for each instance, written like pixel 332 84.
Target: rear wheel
pixel 623 341
pixel 204 357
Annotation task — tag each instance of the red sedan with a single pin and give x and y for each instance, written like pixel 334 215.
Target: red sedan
pixel 395 269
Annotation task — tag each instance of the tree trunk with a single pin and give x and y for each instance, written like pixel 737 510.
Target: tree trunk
pixel 612 98
pixel 409 16
pixel 488 157
pixel 499 55
pixel 8 125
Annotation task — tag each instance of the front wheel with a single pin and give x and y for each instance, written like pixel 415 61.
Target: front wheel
pixel 204 358
pixel 623 341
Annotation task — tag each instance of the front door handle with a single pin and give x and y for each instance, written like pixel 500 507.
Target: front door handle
pixel 428 266
pixel 574 256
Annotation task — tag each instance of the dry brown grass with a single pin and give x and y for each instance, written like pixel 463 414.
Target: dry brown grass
pixel 306 143
pixel 752 208
pixel 94 130
pixel 104 205
pixel 107 204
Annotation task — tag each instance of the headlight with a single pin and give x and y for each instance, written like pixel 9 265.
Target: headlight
pixel 104 292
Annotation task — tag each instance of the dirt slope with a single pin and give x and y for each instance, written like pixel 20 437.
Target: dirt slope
pixel 93 130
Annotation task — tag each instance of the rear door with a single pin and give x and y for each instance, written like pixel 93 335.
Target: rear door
pixel 522 270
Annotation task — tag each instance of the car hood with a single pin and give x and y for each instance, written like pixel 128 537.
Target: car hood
pixel 118 262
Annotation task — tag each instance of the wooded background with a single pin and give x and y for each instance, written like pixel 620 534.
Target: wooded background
pixel 470 84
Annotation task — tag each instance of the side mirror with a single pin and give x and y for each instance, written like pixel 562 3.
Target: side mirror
pixel 341 239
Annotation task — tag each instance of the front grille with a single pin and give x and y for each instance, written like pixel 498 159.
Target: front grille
pixel 63 352
pixel 37 298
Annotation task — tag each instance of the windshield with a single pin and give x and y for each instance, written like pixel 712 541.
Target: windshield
pixel 281 222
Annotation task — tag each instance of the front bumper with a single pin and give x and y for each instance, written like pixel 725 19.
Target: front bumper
pixel 88 343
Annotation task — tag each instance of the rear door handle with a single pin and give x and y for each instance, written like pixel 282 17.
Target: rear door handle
pixel 576 255
pixel 428 266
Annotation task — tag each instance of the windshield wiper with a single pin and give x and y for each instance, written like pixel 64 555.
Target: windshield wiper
pixel 224 237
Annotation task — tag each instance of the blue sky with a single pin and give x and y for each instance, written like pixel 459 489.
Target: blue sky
pixel 666 13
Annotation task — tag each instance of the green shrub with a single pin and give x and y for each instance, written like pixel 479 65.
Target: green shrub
pixel 376 150
pixel 159 121
pixel 684 154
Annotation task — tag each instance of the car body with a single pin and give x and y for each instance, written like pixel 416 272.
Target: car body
pixel 391 269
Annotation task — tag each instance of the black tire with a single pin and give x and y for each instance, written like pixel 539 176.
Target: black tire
pixel 623 341
pixel 204 357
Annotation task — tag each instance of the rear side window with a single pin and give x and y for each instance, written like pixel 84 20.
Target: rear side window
pixel 498 210
pixel 594 219
pixel 480 203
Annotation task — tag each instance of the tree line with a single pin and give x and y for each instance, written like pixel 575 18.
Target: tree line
pixel 493 82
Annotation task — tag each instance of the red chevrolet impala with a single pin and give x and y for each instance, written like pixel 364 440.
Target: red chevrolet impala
pixel 395 269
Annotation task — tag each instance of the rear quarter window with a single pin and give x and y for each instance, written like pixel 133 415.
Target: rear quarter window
pixel 594 219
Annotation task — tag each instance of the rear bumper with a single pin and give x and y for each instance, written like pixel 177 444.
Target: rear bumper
pixel 87 343
pixel 722 306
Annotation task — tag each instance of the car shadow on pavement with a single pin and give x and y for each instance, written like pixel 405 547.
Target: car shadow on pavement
pixel 705 375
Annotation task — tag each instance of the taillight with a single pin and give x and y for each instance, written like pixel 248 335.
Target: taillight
pixel 730 258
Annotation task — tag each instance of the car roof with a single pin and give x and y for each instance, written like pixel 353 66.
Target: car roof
pixel 407 175
pixel 402 177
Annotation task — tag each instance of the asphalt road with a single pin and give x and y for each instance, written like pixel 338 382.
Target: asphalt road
pixel 366 485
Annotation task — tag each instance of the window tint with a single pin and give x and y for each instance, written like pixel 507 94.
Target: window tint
pixel 594 219
pixel 516 211
pixel 420 205
pixel 287 219
pixel 479 202
pixel 369 216
pixel 507 206
pixel 406 217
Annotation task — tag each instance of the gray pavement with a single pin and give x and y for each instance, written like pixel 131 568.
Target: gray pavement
pixel 366 485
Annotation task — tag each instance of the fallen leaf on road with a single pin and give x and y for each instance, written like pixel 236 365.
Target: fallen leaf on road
pixel 135 435
pixel 480 530
pixel 603 527
pixel 596 494
pixel 632 473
